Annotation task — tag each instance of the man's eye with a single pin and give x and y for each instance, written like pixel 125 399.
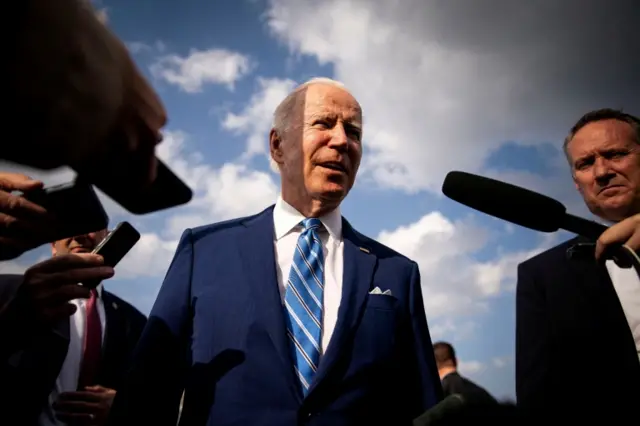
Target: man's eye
pixel 581 165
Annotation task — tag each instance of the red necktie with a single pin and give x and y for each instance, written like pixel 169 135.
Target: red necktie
pixel 92 346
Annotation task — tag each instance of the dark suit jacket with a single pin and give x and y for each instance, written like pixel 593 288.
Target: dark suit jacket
pixel 32 357
pixel 574 350
pixel 217 329
pixel 454 383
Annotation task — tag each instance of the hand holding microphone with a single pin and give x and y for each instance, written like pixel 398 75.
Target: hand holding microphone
pixel 625 233
pixel 541 213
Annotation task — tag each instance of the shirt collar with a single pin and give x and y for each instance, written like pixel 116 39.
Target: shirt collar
pixel 286 218
pixel 99 290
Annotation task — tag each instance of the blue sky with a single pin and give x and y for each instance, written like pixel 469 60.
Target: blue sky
pixel 433 101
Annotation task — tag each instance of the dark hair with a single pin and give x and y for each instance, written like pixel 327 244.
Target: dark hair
pixel 444 352
pixel 599 115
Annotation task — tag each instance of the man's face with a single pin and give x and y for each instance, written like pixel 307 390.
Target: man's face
pixel 80 244
pixel 326 161
pixel 605 160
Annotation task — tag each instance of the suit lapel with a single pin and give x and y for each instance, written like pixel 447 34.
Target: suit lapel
pixel 359 267
pixel 594 282
pixel 259 266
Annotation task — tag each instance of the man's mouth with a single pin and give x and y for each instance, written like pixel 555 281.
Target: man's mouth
pixel 606 188
pixel 334 165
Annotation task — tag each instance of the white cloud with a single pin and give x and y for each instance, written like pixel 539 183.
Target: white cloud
pixel 136 47
pixel 442 84
pixel 502 361
pixel 191 73
pixel 470 367
pixel 454 283
pixel 445 328
pixel 256 118
pixel 229 191
pixel 150 257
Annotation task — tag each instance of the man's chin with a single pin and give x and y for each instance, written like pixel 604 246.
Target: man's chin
pixel 334 192
pixel 614 210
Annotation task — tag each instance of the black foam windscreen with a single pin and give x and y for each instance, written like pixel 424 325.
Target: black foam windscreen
pixel 505 201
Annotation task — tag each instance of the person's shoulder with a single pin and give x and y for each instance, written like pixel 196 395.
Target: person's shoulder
pixel 224 229
pixel 380 250
pixel 551 257
pixel 124 306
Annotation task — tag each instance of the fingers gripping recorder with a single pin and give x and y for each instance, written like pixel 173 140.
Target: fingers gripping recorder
pixel 115 246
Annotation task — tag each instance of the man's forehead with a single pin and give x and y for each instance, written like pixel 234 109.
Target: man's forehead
pixel 322 100
pixel 600 136
pixel 352 116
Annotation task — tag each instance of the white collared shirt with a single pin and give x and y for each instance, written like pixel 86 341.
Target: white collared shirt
pixel 286 221
pixel 627 286
pixel 67 380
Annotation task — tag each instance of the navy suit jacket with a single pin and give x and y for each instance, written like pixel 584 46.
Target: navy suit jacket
pixel 217 330
pixel 575 354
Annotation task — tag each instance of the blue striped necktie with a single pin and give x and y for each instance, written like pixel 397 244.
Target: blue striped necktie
pixel 303 302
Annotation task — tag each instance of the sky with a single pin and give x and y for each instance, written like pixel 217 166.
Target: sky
pixel 487 87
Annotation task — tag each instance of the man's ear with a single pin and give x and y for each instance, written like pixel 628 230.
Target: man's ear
pixel 275 146
pixel 54 250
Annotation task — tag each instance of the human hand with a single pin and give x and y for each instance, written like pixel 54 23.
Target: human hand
pixel 49 286
pixel 89 407
pixel 24 225
pixel 625 232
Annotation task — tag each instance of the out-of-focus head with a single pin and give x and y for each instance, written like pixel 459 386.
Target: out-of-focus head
pixel 445 355
pixel 603 150
pixel 80 244
pixel 316 145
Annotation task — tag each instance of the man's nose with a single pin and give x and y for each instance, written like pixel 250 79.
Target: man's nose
pixel 339 138
pixel 602 171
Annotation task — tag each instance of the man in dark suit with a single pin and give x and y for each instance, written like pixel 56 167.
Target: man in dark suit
pixel 65 348
pixel 452 381
pixel 289 316
pixel 578 312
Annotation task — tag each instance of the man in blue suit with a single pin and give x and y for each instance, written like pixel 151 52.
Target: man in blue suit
pixel 289 316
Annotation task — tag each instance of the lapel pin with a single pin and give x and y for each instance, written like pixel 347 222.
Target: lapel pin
pixel 366 250
pixel 115 305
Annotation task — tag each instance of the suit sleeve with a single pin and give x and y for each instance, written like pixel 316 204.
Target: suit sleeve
pixel 429 390
pixel 532 340
pixel 152 390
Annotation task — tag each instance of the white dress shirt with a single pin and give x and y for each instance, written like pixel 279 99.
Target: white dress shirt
pixel 68 378
pixel 286 222
pixel 627 285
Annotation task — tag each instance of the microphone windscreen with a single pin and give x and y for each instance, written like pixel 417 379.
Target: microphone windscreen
pixel 505 201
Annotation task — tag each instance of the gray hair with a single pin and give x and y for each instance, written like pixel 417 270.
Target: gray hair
pixel 285 110
pixel 599 115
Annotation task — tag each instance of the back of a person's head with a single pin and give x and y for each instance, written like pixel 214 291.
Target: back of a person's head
pixel 445 354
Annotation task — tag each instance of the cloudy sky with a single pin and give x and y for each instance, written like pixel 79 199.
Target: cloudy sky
pixel 488 87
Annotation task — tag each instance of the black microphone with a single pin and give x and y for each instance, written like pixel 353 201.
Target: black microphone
pixel 516 205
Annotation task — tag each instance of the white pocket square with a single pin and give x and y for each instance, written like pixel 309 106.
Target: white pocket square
pixel 378 291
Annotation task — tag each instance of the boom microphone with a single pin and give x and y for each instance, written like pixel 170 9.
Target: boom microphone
pixel 516 205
